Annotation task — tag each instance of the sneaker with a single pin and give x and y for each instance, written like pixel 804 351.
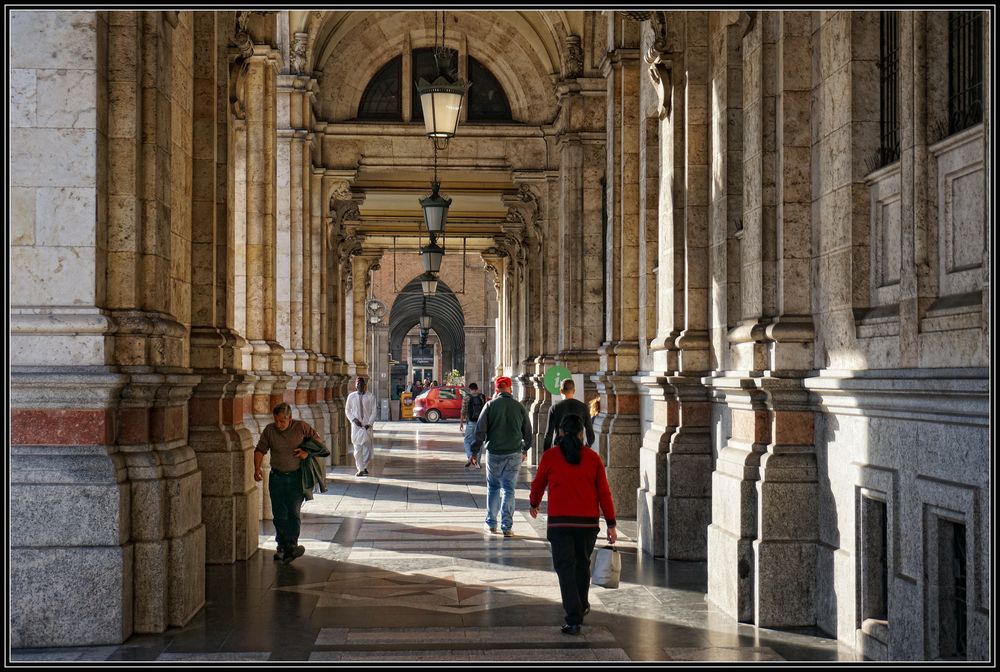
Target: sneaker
pixel 364 472
pixel 280 555
pixel 468 464
pixel 487 528
pixel 570 629
pixel 360 473
pixel 508 533
pixel 296 552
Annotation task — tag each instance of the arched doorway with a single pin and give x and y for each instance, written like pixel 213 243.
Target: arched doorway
pixel 447 322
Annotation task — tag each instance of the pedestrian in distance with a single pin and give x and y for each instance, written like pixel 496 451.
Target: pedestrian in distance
pixel 361 412
pixel 472 406
pixel 504 429
pixel 568 406
pixel 578 492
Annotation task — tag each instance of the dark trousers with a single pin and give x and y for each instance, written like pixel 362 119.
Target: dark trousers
pixel 286 501
pixel 571 549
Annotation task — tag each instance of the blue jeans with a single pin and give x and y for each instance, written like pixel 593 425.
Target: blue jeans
pixel 501 476
pixel 470 436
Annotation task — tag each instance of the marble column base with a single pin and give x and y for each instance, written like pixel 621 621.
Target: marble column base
pixel 785 584
pixel 70 596
pixel 730 573
pixel 650 515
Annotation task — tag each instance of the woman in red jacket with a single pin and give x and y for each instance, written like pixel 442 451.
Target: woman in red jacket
pixel 578 493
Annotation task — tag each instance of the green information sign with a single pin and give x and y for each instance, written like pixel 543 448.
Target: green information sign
pixel 554 377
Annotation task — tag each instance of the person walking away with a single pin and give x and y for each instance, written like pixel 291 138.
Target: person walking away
pixel 281 439
pixel 568 406
pixel 578 488
pixel 361 409
pixel 472 406
pixel 505 430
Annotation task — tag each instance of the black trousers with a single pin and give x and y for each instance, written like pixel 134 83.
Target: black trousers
pixel 571 549
pixel 286 502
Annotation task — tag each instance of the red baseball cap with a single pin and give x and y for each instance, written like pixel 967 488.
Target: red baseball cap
pixel 503 381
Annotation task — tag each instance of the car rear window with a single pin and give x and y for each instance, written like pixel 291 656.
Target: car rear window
pixel 446 394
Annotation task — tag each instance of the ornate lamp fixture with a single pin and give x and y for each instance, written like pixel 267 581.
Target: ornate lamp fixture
pixel 435 206
pixel 441 100
pixel 429 284
pixel 425 319
pixel 431 255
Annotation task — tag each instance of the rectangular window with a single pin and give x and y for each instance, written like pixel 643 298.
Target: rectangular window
pixel 888 88
pixel 875 559
pixel 951 590
pixel 965 70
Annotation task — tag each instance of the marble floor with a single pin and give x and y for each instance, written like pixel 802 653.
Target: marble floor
pixel 398 569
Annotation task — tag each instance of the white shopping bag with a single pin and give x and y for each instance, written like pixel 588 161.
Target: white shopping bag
pixel 605 567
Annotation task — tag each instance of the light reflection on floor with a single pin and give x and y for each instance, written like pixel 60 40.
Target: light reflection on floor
pixel 398 568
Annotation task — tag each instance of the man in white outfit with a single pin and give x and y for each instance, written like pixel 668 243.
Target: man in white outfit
pixel 361 411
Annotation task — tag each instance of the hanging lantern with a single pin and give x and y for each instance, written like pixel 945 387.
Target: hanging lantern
pixel 425 321
pixel 431 255
pixel 429 284
pixel 441 99
pixel 435 210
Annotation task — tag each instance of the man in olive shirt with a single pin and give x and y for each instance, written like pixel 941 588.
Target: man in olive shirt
pixel 568 406
pixel 282 439
pixel 505 428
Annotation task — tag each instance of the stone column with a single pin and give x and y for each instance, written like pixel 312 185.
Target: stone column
pixel 361 341
pixel 548 259
pixel 788 489
pixel 617 425
pixel 293 223
pixel 580 141
pixel 95 220
pixel 526 211
pixel 344 207
pixel 263 351
pixel 71 562
pixel 216 431
pixel 318 305
pixel 767 472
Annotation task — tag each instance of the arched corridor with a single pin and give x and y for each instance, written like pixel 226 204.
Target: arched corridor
pixel 760 241
pixel 398 568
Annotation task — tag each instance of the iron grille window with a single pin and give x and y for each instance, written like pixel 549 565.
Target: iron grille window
pixel 487 101
pixel 888 88
pixel 965 70
pixel 383 98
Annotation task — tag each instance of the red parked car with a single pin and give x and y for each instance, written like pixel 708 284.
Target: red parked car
pixel 442 402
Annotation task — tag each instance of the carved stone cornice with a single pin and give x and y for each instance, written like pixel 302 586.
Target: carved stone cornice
pixel 523 212
pixel 492 263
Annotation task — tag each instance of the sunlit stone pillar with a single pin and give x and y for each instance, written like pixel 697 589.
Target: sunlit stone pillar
pixel 216 431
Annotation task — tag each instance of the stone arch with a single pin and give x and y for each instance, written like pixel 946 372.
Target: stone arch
pixel 523 55
pixel 448 320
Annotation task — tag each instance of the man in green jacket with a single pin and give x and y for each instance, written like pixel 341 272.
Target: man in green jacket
pixel 505 428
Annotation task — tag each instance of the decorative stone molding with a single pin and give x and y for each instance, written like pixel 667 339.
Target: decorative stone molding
pixel 298 59
pixel 523 211
pixel 573 57
pixel 373 265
